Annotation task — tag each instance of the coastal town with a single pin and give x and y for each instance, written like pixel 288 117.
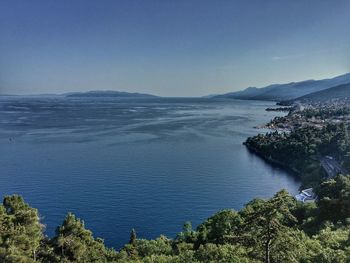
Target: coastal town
pixel 315 116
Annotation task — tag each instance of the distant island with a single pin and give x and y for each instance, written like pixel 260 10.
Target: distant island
pixel 108 93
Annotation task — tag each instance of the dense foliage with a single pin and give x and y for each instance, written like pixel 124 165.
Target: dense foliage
pixel 279 229
pixel 326 112
pixel 301 149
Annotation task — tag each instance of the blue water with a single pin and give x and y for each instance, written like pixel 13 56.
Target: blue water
pixel 122 164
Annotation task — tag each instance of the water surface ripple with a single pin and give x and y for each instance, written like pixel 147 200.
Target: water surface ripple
pixel 144 164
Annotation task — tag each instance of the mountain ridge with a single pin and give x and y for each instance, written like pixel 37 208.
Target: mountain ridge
pixel 287 91
pixel 340 92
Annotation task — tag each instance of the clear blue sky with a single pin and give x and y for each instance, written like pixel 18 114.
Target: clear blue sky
pixel 169 47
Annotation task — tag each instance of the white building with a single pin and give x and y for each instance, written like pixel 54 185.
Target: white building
pixel 306 195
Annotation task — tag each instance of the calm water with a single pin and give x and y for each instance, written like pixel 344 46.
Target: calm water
pixel 148 164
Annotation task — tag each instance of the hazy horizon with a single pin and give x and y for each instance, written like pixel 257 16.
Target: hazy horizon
pixel 169 48
pixel 204 95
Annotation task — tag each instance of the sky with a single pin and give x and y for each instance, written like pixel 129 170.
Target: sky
pixel 169 47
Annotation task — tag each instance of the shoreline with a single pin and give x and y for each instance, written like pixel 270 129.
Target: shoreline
pixel 293 171
pixel 272 161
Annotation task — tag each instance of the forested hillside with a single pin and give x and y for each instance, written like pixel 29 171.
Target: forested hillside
pixel 302 149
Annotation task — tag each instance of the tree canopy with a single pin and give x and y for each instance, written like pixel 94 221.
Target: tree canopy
pixel 278 229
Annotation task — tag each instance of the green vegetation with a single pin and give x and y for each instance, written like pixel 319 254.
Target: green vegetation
pixel 279 229
pixel 326 112
pixel 301 149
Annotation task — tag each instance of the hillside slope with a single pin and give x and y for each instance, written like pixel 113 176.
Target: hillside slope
pixel 281 92
pixel 341 92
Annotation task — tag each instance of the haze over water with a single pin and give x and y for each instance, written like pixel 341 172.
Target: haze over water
pixel 145 164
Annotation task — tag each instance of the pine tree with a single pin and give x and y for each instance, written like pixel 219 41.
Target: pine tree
pixel 75 243
pixel 133 237
pixel 21 231
pixel 265 220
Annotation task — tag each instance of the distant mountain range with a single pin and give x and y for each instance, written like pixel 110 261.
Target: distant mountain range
pixel 289 91
pixel 108 94
pixel 303 91
pixel 341 92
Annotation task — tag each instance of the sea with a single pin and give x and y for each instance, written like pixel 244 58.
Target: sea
pixel 149 164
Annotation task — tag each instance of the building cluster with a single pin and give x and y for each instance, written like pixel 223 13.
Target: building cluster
pixel 311 115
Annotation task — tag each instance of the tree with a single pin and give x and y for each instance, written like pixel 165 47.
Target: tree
pixel 159 246
pixel 75 243
pixel 334 199
pixel 130 248
pixel 219 228
pixel 187 235
pixel 20 231
pixel 133 237
pixel 221 253
pixel 265 220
